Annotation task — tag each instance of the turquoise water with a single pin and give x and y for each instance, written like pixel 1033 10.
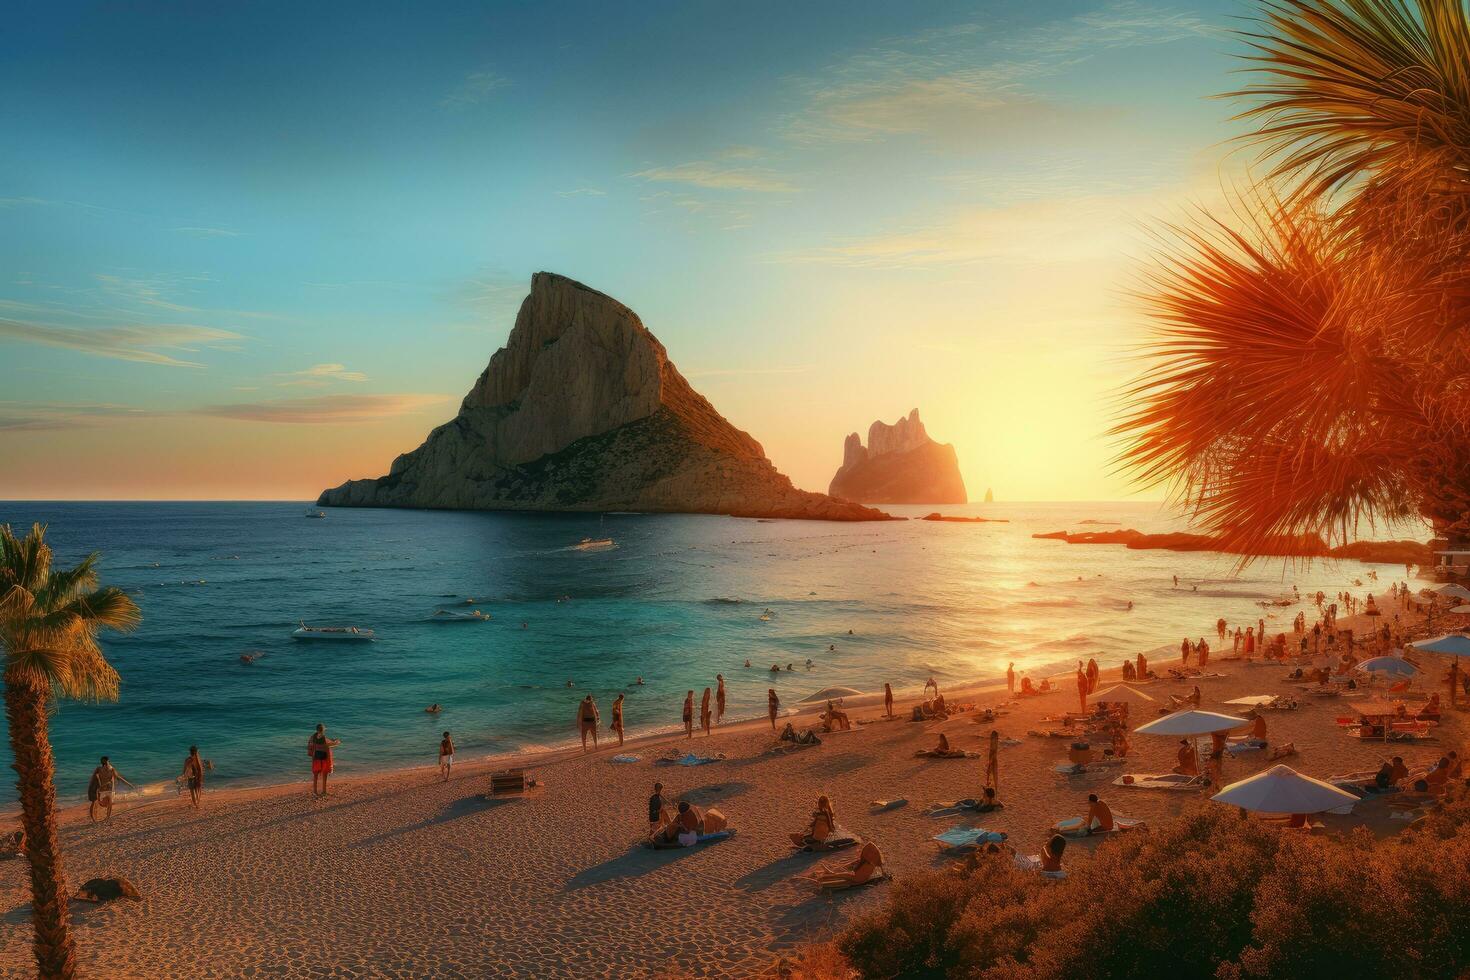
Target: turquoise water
pixel 678 599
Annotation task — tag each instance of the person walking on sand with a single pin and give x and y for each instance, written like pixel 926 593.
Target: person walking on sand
pixel 319 748
pixel 1011 677
pixel 617 719
pixel 1184 652
pixel 100 788
pixel 888 699
pixel 720 697
pixel 705 713
pixel 446 755
pixel 773 705
pixel 587 719
pixel 194 775
pixel 689 715
pixel 1142 667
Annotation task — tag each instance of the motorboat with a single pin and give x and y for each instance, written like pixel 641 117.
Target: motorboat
pixel 346 634
pixel 313 512
pixel 594 544
pixel 451 616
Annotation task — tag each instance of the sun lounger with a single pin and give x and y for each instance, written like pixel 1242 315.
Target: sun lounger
pixel 1072 826
pixel 701 839
pixel 1167 780
pixel 965 838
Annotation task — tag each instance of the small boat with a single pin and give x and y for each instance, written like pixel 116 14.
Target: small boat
pixel 450 616
pixel 313 512
pixel 593 544
pixel 342 633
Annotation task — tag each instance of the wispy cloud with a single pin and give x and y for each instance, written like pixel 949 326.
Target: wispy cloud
pixel 321 374
pixel 967 79
pixel 144 343
pixel 747 372
pixel 582 192
pixel 201 232
pixel 475 88
pixel 714 176
pixel 327 409
pixel 53 416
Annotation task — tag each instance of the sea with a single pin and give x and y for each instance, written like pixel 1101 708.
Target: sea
pixel 673 601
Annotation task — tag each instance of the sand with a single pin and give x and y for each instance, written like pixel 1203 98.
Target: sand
pixel 399 874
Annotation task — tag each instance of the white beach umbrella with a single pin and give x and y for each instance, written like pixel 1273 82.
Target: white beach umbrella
pixel 1253 700
pixel 1388 665
pixel 1451 590
pixel 1122 694
pixel 1462 608
pixel 832 694
pixel 1191 723
pixel 1453 644
pixel 1281 789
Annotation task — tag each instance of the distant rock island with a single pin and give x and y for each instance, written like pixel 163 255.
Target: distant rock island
pixel 1306 546
pixel 582 410
pixel 900 465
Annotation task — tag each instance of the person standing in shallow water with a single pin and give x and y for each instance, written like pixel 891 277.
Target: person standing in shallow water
pixel 617 719
pixel 689 715
pixel 446 755
pixel 1010 679
pixel 888 699
pixel 194 775
pixel 773 705
pixel 719 698
pixel 587 719
pixel 319 748
pixel 704 712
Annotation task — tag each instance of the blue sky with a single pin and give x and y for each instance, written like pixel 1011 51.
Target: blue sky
pixel 256 250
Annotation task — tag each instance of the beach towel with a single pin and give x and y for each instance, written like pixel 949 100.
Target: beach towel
pixel 1245 745
pixel 626 758
pixel 962 838
pixel 701 839
pixel 693 760
pixel 1072 826
pixel 1167 780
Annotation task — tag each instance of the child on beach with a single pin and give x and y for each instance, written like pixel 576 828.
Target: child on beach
pixel 446 755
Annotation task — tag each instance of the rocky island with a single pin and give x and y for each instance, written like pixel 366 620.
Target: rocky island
pixel 899 465
pixel 582 410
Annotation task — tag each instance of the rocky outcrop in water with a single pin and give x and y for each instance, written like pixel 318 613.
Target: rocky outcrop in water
pixel 582 410
pixel 900 465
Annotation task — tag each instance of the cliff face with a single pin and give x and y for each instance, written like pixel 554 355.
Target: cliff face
pixel 900 465
pixel 582 410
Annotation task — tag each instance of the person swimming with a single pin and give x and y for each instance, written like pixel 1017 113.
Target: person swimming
pixel 433 709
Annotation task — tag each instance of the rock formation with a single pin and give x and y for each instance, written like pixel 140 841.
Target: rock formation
pixel 900 465
pixel 582 410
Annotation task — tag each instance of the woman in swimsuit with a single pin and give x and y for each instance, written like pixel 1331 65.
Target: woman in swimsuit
pixel 617 719
pixel 446 755
pixel 869 862
pixel 888 699
pixel 773 705
pixel 719 698
pixel 1051 853
pixel 824 822
pixel 689 715
pixel 587 718
pixel 194 775
pixel 319 747
pixel 704 712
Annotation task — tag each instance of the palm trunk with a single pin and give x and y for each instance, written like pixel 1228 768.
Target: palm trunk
pixel 25 710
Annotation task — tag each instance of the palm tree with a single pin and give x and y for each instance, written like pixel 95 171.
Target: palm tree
pixel 1310 363
pixel 48 636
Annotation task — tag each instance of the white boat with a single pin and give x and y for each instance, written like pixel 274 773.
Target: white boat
pixel 593 544
pixel 313 512
pixel 348 634
pixel 450 616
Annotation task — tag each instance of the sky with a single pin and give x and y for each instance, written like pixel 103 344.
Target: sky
pixel 250 251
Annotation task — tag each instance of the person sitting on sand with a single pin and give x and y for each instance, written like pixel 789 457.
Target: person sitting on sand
pixel 587 719
pixel 835 719
pixel 446 755
pixel 1398 772
pixel 869 862
pixel 1120 741
pixel 1045 685
pixel 1099 817
pixel 988 801
pixel 1188 761
pixel 1438 777
pixel 617 718
pixel 1051 854
pixel 1027 688
pixel 823 823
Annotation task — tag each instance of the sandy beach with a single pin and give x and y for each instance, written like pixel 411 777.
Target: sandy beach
pixel 400 874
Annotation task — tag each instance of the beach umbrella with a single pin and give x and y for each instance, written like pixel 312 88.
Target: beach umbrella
pixel 1462 608
pixel 1191 723
pixel 1281 789
pixel 1253 700
pixel 1392 666
pixel 1451 644
pixel 1451 591
pixel 1122 694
